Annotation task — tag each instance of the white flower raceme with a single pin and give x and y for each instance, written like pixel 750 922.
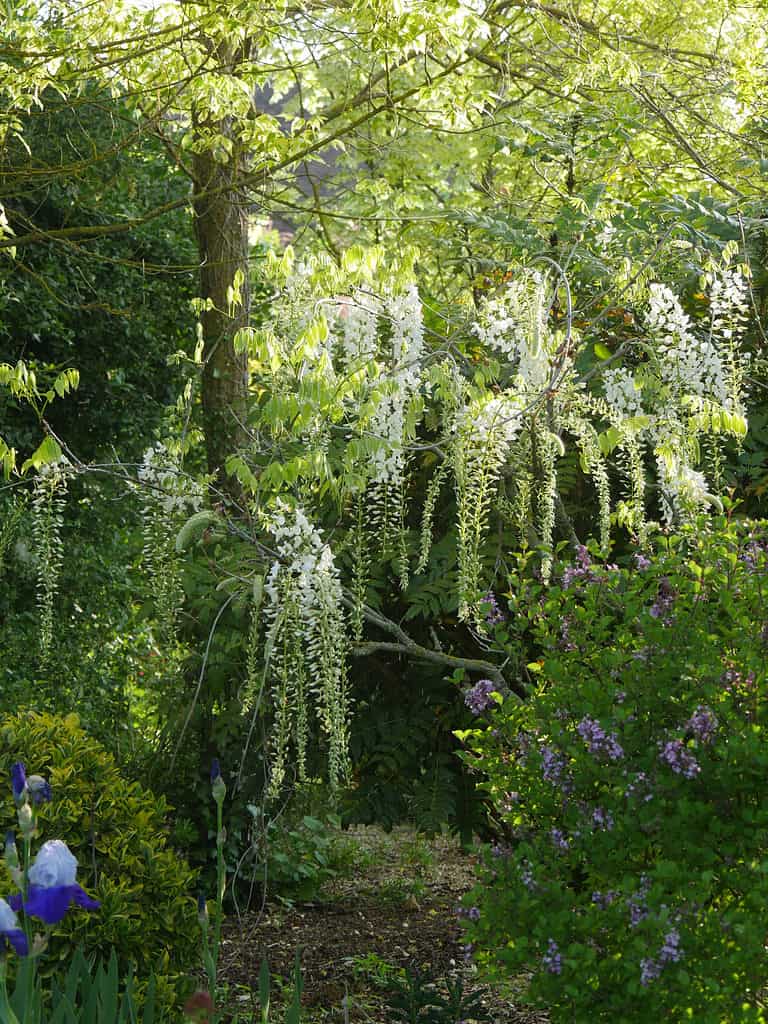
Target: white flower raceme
pixel 621 394
pixel 399 384
pixel 684 490
pixel 54 865
pixel 688 363
pixel 166 485
pixel 359 318
pixel 516 324
pixel 307 635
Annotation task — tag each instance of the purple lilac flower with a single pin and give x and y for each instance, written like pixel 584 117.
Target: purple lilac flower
pixel 670 951
pixel 559 839
pixel 18 782
pixel 682 762
pixel 638 910
pixel 468 950
pixel 52 886
pixel 580 572
pixel 703 724
pixel 751 554
pixel 597 740
pixel 552 959
pixel 10 933
pixel 552 766
pixel 664 603
pixel 473 913
pixel 640 785
pixel 478 698
pixel 526 876
pixel 641 561
pixel 602 819
pixel 649 970
pixel 603 900
pixel 734 680
pixel 493 615
pixel 670 954
pixel 565 643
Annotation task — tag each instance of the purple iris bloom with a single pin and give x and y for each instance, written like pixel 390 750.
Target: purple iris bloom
pixel 18 781
pixel 39 789
pixel 215 769
pixel 10 931
pixel 52 884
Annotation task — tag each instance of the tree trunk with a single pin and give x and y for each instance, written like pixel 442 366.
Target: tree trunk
pixel 221 226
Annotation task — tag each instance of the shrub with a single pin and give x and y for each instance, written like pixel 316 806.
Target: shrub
pixel 631 786
pixel 116 830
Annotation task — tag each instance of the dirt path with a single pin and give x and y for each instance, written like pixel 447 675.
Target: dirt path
pixel 395 910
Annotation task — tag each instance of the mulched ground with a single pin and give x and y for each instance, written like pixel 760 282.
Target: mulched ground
pixel 394 910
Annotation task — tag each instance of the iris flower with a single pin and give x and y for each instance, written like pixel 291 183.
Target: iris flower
pixel 10 931
pixel 52 884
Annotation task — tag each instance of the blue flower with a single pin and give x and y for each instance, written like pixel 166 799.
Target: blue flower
pixel 215 769
pixel 39 789
pixel 10 931
pixel 52 884
pixel 18 781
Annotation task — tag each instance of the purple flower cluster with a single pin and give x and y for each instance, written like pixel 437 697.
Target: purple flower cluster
pixel 598 740
pixel 552 959
pixel 603 900
pixel 670 953
pixel 478 698
pixel 559 839
pixel 753 552
pixel 638 909
pixel 493 614
pixel 526 876
pixel 602 819
pixel 664 603
pixel 582 571
pixel 639 786
pixel 702 724
pixel 641 561
pixel 682 762
pixel 733 679
pixel 565 643
pixel 552 767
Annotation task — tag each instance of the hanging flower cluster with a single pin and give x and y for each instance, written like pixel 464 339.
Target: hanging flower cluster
pixel 168 495
pixel 166 486
pixel 48 498
pixel 305 646
pixel 516 324
pixel 484 432
pixel 399 384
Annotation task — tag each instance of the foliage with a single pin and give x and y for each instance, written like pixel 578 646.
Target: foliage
pixel 403 749
pixel 117 831
pixel 295 859
pixel 631 878
pixel 417 999
pixel 88 993
pixel 116 310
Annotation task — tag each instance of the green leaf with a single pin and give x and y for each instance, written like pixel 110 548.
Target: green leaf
pixel 47 451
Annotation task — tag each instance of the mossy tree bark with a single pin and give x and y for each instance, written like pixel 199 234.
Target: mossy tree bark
pixel 221 226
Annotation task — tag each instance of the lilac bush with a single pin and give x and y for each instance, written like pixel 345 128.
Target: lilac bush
pixel 633 881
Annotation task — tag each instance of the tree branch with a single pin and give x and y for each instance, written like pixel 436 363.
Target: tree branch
pixel 408 646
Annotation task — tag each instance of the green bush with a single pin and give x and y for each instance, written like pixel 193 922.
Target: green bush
pixel 116 829
pixel 631 787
